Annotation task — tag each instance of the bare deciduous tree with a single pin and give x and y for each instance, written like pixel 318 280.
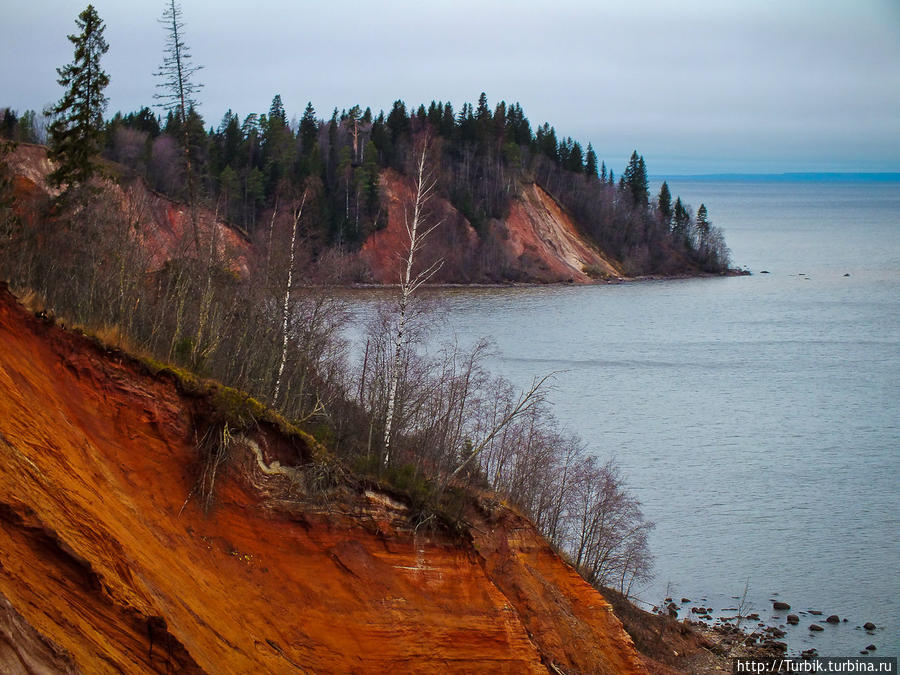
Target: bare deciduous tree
pixel 178 90
pixel 417 230
pixel 296 214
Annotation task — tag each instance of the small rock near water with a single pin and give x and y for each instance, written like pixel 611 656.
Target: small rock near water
pixel 683 600
pixel 793 619
pixel 815 612
pixel 780 605
pixel 815 627
pixel 834 618
pixel 871 648
pixel 868 625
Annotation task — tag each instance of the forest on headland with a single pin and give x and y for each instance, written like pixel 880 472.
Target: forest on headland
pixel 483 156
pixel 255 312
pixel 243 168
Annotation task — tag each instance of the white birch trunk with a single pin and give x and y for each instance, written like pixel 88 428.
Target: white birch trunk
pixel 408 284
pixel 285 308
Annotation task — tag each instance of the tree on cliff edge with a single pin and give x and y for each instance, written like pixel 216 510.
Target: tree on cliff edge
pixel 178 90
pixel 76 131
pixel 417 230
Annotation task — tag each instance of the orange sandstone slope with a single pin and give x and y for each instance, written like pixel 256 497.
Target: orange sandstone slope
pixel 163 226
pixel 453 243
pixel 107 564
pixel 539 230
pixel 537 241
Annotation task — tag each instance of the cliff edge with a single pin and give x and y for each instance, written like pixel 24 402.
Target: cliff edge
pixel 110 563
pixel 536 242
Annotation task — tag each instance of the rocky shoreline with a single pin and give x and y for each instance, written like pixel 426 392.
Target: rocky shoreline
pixel 732 632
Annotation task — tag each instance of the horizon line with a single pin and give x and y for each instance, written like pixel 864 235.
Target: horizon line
pixel 834 175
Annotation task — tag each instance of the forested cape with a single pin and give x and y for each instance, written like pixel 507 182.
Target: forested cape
pixel 482 159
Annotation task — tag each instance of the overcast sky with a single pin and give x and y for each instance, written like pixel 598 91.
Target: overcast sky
pixel 696 86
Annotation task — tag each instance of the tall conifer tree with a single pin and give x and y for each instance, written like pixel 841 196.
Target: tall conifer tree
pixel 309 129
pixel 634 178
pixel 590 162
pixel 178 90
pixel 664 202
pixel 76 131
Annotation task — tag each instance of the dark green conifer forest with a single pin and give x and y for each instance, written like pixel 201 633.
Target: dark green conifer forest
pixel 242 165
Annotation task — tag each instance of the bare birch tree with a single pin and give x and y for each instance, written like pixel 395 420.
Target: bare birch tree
pixel 417 230
pixel 527 400
pixel 296 214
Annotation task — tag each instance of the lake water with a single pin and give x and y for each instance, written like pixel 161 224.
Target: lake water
pixel 756 418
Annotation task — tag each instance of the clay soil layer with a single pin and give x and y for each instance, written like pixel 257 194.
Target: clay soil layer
pixel 109 565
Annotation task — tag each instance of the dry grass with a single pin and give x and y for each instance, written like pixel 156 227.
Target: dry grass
pixel 31 300
pixel 114 336
pixel 666 642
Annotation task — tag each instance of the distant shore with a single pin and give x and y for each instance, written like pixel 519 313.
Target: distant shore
pixel 539 284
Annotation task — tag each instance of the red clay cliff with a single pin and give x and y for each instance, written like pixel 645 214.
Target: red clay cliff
pixel 108 563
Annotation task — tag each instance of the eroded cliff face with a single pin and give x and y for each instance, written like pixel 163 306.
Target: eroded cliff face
pixel 164 228
pixel 542 236
pixel 454 242
pixel 108 563
pixel 537 241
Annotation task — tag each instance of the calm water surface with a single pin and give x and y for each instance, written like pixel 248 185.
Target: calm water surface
pixel 756 418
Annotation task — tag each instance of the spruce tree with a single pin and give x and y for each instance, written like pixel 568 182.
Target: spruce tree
pixel 575 159
pixel 664 203
pixel 590 162
pixel 702 217
pixel 76 131
pixel 483 111
pixel 309 130
pixel 448 121
pixel 681 220
pixel 635 180
pixel 278 145
pixel 703 226
pixel 178 89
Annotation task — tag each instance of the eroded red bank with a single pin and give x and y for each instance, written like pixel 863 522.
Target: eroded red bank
pixel 106 565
